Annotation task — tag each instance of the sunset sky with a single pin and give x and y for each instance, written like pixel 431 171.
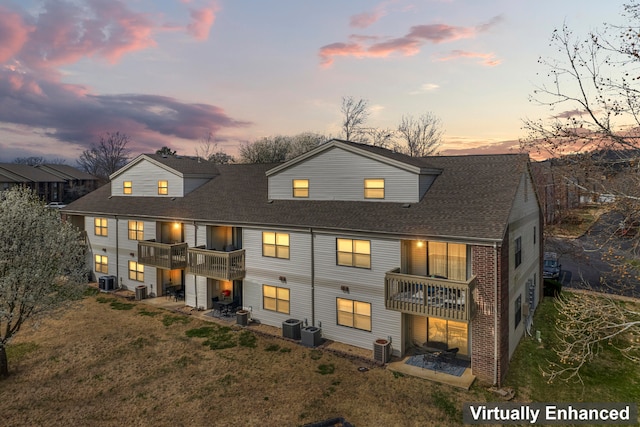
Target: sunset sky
pixel 165 72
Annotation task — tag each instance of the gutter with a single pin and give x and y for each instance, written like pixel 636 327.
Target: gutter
pixel 398 234
pixel 495 317
pixel 117 253
pixel 313 282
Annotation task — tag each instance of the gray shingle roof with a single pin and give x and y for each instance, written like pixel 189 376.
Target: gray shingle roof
pixel 472 198
pixel 66 172
pixel 27 173
pixel 186 165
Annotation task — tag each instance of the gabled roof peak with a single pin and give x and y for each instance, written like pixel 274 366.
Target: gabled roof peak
pixel 180 165
pixel 412 164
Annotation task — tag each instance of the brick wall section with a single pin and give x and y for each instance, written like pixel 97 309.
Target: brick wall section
pixel 503 311
pixel 483 325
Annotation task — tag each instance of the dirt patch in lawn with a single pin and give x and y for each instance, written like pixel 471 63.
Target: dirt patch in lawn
pixel 105 363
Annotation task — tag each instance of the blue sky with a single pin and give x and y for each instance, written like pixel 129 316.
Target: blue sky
pixel 167 72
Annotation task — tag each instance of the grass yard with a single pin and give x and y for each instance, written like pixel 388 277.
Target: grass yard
pixel 575 222
pixel 112 362
pixel 610 377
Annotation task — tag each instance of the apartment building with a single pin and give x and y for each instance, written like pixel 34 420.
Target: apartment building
pixel 363 242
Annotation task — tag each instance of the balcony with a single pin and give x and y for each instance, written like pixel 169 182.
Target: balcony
pixel 168 256
pixel 427 296
pixel 217 264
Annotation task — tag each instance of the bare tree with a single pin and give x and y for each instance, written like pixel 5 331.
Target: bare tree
pixel 595 102
pixel 265 150
pixel 279 148
pixel 421 136
pixel 31 161
pixel 303 142
pixel 41 264
pixel 354 115
pixel 587 322
pixel 106 157
pixel 208 150
pixel 385 138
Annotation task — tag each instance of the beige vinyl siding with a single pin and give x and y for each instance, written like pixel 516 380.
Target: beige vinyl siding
pixel 522 220
pixel 144 178
pixel 196 292
pixel 126 248
pixel 191 299
pixel 267 271
pixel 364 285
pixel 102 245
pixel 337 174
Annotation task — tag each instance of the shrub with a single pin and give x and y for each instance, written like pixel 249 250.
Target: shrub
pixel 552 288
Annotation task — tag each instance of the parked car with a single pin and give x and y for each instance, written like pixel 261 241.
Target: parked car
pixel 551 267
pixel 56 205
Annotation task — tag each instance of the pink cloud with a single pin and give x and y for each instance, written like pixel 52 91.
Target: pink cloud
pixel 488 59
pixel 202 20
pixel 61 32
pixel 440 33
pixel 14 34
pixel 328 52
pixel 64 32
pixel 408 45
pixel 365 19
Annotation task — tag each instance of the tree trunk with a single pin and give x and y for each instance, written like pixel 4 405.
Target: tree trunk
pixel 4 365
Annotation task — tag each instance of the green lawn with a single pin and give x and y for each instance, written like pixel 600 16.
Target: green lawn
pixel 610 377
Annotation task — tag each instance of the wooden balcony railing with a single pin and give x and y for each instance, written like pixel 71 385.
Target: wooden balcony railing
pixel 216 264
pixel 168 256
pixel 433 297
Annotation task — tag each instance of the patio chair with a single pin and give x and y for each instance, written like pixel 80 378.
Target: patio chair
pixel 450 354
pixel 435 358
pixel 215 306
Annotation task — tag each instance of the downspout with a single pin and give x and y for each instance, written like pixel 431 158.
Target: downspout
pixel 117 254
pixel 195 278
pixel 495 316
pixel 313 283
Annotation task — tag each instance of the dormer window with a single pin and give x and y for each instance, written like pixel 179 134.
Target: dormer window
pixel 374 188
pixel 300 188
pixel 127 187
pixel 163 188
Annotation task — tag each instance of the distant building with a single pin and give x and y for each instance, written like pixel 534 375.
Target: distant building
pixel 52 182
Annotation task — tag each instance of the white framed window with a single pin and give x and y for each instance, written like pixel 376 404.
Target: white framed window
pixel 275 298
pixel 102 264
pixel 100 226
pixel 301 188
pixel 353 314
pixel 136 271
pixel 518 252
pixel 275 245
pixel 353 253
pixel 163 187
pixel 374 188
pixel 127 187
pixel 136 230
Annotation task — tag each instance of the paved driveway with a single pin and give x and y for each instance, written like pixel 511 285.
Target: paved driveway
pixel 582 263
